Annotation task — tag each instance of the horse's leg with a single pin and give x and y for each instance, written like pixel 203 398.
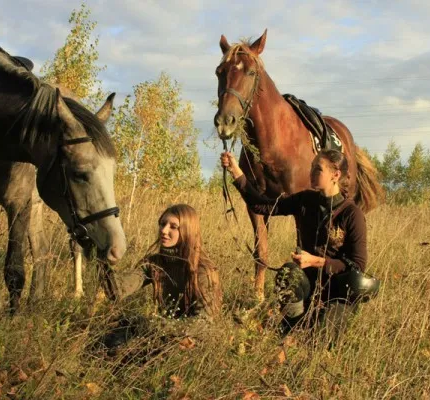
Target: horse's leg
pixel 76 252
pixel 259 224
pixel 39 248
pixel 14 273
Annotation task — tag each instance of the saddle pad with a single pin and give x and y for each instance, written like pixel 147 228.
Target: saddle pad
pixel 322 135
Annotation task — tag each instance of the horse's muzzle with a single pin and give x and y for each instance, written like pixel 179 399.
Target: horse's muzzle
pixel 225 125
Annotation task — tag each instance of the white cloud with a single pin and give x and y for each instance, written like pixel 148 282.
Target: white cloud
pixel 366 63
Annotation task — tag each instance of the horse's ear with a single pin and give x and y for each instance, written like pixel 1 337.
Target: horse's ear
pixel 106 109
pixel 224 44
pixel 64 112
pixel 258 46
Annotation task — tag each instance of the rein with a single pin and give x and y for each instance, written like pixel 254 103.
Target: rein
pixel 246 106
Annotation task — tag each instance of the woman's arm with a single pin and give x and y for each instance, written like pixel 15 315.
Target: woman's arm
pixel 355 244
pixel 257 202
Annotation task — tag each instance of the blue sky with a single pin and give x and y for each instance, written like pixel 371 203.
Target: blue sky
pixel 365 62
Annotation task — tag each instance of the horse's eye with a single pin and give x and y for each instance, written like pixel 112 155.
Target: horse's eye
pixel 251 72
pixel 79 177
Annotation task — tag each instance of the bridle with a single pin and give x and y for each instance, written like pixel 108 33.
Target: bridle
pixel 245 103
pixel 78 230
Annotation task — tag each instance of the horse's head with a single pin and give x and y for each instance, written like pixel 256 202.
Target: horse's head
pixel 238 77
pixel 78 180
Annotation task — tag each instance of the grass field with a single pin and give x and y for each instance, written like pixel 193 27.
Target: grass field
pixel 49 352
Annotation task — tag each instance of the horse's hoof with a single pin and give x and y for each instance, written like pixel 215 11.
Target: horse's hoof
pixel 78 295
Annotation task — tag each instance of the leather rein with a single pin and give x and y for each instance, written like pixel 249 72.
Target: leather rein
pixel 246 107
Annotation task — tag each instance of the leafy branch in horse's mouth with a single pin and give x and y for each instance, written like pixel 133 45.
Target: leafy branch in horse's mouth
pixel 240 132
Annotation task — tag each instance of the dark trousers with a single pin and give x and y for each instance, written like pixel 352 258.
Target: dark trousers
pixel 309 292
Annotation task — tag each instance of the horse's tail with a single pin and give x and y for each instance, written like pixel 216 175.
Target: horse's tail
pixel 369 191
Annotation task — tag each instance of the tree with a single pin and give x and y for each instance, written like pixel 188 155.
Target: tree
pixel 75 64
pixel 427 170
pixel 391 168
pixel 415 173
pixel 157 138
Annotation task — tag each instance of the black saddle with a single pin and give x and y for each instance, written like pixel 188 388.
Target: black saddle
pixel 24 62
pixel 312 119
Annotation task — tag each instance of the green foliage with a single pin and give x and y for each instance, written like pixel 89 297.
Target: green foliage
pixel 405 182
pixel 391 168
pixel 157 138
pixel 75 64
pixel 414 173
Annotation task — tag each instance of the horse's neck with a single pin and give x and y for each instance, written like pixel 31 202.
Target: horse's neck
pixel 14 146
pixel 270 114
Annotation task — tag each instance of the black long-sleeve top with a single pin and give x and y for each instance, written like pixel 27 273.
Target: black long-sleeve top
pixel 338 238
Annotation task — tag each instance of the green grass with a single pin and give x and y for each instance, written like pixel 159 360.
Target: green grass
pixel 49 352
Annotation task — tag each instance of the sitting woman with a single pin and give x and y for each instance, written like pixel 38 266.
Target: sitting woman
pixel 331 233
pixel 185 281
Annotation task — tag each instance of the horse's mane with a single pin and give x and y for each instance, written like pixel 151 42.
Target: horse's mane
pixel 39 118
pixel 239 48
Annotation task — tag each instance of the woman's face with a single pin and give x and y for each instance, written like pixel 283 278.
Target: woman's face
pixel 323 177
pixel 168 230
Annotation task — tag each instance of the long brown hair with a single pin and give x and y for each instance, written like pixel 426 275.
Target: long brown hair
pixel 189 249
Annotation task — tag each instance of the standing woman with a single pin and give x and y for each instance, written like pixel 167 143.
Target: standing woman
pixel 185 281
pixel 331 233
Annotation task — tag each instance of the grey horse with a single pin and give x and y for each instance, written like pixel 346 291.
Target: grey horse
pixel 74 157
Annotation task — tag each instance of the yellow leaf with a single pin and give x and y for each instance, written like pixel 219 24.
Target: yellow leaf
pixel 284 390
pixel 93 388
pixel 250 396
pixel 187 343
pixel 290 341
pixel 280 357
pixel 176 380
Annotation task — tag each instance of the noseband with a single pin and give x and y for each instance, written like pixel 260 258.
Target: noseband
pixel 245 103
pixel 78 230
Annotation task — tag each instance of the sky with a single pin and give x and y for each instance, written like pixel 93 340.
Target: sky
pixel 365 62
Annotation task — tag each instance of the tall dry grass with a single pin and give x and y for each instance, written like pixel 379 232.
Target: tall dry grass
pixel 50 351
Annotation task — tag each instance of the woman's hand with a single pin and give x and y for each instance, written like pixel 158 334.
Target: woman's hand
pixel 305 260
pixel 228 161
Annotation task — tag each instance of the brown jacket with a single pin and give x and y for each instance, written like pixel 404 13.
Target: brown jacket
pixel 339 238
pixel 171 290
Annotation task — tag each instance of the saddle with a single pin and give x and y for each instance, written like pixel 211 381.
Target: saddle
pixel 24 62
pixel 19 61
pixel 323 135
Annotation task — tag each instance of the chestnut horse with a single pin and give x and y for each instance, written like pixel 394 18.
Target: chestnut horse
pixel 248 99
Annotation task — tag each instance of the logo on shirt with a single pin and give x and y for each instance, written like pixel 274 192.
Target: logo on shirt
pixel 336 237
